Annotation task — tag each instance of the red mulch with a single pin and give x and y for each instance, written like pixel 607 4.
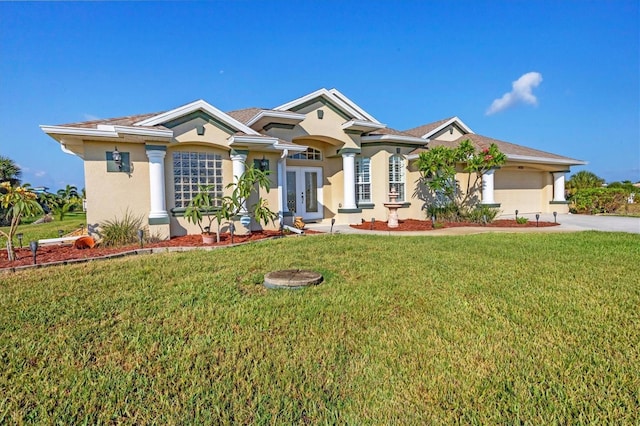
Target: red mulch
pixel 56 252
pixel 426 225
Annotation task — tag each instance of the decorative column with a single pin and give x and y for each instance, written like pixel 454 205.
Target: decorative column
pixel 238 159
pixel 282 183
pixel 487 187
pixel 349 170
pixel 158 214
pixel 558 187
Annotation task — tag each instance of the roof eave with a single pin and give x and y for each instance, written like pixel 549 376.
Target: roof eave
pixel 393 138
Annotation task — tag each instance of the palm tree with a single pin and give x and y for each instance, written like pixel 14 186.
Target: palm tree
pixel 9 171
pixel 68 192
pixel 582 180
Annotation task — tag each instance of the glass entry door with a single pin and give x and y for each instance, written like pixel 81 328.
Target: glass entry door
pixel 304 192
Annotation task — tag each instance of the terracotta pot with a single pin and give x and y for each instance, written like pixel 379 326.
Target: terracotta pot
pixel 208 238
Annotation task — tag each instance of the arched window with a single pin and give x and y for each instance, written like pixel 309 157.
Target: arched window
pixel 396 175
pixel 309 154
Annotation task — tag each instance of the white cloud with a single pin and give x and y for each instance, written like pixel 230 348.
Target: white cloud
pixel 90 117
pixel 40 173
pixel 521 93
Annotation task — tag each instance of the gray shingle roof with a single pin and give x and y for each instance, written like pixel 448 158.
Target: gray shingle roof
pixel 508 148
pixel 426 128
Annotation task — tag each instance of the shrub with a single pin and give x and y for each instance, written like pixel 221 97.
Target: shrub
pixel 521 220
pixel 446 213
pixel 120 232
pixel 482 213
pixel 597 200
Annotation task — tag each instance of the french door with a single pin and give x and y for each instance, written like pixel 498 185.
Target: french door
pixel 304 192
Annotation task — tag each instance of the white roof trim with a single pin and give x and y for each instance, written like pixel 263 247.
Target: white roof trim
pixel 350 107
pixel 335 92
pixel 106 131
pixel 259 140
pixel 361 125
pixel 78 131
pixel 286 115
pixel 290 146
pixel 394 138
pixel 192 107
pixel 449 122
pixel 532 159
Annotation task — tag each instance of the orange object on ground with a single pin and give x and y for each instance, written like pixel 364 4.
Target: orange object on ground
pixel 84 242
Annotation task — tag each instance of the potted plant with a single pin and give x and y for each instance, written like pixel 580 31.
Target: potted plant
pixel 201 206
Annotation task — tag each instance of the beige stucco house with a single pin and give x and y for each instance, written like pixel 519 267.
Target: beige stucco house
pixel 328 159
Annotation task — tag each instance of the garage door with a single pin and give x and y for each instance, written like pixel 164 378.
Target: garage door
pixel 521 190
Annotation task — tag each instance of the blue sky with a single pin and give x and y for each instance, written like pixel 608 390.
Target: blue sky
pixel 405 62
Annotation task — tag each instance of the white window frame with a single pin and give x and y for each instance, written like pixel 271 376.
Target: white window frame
pixel 363 180
pixel 397 176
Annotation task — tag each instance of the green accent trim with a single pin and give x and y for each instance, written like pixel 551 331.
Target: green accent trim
pixel 278 126
pixel 349 210
pixel 366 206
pixel 558 202
pixel 560 171
pixel 239 151
pixel 159 221
pixel 155 147
pixel 200 114
pixel 349 151
pixel 353 132
pixel 324 102
pixel 490 205
pixel 111 165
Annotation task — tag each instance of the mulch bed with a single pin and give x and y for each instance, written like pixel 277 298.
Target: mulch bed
pixel 427 225
pixel 57 252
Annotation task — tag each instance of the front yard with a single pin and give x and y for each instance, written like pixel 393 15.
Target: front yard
pixel 492 328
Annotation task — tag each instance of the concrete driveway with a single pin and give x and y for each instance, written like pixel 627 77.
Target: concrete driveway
pixel 568 223
pixel 581 222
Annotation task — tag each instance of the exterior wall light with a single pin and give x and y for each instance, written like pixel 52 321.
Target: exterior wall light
pixel 117 158
pixel 200 130
pixel 264 164
pixel 320 114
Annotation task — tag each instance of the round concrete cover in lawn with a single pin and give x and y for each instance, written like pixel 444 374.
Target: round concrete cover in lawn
pixel 291 279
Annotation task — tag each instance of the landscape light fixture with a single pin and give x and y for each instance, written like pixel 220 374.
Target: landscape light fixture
pixel 433 221
pixel 516 214
pixel 232 230
pixel 60 232
pixel 117 158
pixel 373 222
pixel 33 245
pixel 484 219
pixel 333 221
pixel 537 218
pixel 141 237
pixel 555 217
pixel 20 235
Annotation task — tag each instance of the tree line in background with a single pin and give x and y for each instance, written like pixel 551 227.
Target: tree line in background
pixel 587 193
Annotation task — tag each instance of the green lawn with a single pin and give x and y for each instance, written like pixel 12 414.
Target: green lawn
pixel 492 328
pixel 71 222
